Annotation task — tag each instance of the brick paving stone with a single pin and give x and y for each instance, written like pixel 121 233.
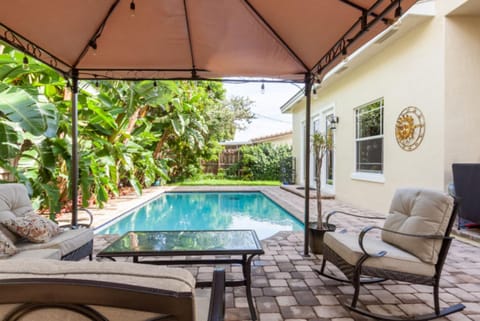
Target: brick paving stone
pixel 331 311
pixel 475 317
pixel 297 312
pixel 279 275
pixel 305 298
pixel 281 258
pixel 458 317
pixel 237 314
pixel 303 268
pixel 260 282
pixel 278 291
pixel 257 292
pixel 327 300
pixel 303 275
pixel 270 317
pixel 286 301
pixel 469 287
pixel 399 288
pixel 407 298
pixel 386 309
pixel 266 304
pixel 241 302
pixel 271 269
pixel 461 294
pixel 286 267
pixel 415 309
pixel 472 307
pixel 366 299
pixel 278 283
pixel 296 284
pixel 385 296
pixel 314 282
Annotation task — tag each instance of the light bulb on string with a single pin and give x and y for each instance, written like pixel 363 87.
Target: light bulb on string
pixel 25 65
pixel 132 9
pixel 262 88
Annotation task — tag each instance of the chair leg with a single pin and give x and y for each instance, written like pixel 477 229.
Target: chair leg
pixel 436 299
pixel 322 269
pixel 356 284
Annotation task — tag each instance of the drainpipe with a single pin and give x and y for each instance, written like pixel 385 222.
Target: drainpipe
pixel 74 169
pixel 308 87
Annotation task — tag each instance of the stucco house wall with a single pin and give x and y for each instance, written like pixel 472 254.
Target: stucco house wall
pixel 435 67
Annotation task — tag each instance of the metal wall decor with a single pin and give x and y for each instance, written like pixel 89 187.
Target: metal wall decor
pixel 410 128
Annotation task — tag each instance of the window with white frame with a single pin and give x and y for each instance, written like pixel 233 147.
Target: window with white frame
pixel 369 137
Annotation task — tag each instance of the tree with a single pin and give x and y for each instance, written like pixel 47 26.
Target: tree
pixel 321 144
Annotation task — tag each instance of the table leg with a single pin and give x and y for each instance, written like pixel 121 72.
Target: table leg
pixel 246 269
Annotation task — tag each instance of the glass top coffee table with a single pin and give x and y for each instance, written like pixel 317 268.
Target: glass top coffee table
pixel 143 245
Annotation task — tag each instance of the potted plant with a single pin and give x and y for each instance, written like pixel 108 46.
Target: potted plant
pixel 321 144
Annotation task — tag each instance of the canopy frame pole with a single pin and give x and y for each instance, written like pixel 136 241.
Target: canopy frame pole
pixel 308 86
pixel 74 169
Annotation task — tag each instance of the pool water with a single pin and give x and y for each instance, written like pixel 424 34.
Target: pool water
pixel 207 211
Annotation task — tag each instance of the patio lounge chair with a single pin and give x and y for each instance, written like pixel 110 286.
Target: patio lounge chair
pixel 413 247
pixel 16 210
pixel 58 290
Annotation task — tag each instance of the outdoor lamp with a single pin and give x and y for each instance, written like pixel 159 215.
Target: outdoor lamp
pixel 333 120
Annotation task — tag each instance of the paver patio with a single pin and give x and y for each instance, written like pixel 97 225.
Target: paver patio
pixel 286 288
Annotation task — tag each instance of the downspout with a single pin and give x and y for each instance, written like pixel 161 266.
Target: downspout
pixel 308 87
pixel 74 169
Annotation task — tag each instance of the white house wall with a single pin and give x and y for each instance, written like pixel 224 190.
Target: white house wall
pixel 462 95
pixel 408 72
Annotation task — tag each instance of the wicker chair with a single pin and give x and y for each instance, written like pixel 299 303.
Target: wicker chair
pixel 412 247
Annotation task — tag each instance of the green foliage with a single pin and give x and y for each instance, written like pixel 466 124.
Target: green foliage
pixel 130 133
pixel 261 161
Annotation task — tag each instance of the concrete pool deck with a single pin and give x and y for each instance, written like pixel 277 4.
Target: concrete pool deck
pixel 286 288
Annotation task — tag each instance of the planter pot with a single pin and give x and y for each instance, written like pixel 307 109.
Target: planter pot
pixel 315 236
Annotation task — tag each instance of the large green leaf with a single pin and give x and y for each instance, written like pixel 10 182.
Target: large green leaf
pixel 8 140
pixel 20 107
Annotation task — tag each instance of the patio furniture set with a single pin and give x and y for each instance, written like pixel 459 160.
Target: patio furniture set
pixel 36 282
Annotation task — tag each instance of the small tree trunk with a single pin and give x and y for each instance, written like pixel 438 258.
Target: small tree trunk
pixel 318 187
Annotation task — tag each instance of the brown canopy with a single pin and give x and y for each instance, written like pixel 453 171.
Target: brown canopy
pixel 291 40
pixel 193 39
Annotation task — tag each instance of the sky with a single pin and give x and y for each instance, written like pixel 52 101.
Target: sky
pixel 266 107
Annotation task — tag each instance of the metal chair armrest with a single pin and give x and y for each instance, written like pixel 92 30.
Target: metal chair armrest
pixel 90 216
pixel 367 229
pixel 216 311
pixel 330 214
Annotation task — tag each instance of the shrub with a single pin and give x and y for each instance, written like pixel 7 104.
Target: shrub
pixel 261 162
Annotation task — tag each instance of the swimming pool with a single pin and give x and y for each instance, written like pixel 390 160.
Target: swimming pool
pixel 207 211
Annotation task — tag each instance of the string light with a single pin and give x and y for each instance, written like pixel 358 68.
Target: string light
pixel 25 63
pixel 262 88
pixel 132 8
pixel 93 45
pixel 155 88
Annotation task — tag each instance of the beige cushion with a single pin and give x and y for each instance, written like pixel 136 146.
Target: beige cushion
pixel 159 277
pixel 418 211
pixel 7 248
pixel 33 227
pixel 66 242
pixel 347 247
pixel 176 280
pixel 14 199
pixel 9 234
pixel 51 254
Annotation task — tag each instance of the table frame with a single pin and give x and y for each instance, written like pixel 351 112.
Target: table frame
pixel 245 261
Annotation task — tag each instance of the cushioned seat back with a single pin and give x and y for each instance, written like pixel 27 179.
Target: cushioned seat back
pixel 116 290
pixel 420 212
pixel 14 201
